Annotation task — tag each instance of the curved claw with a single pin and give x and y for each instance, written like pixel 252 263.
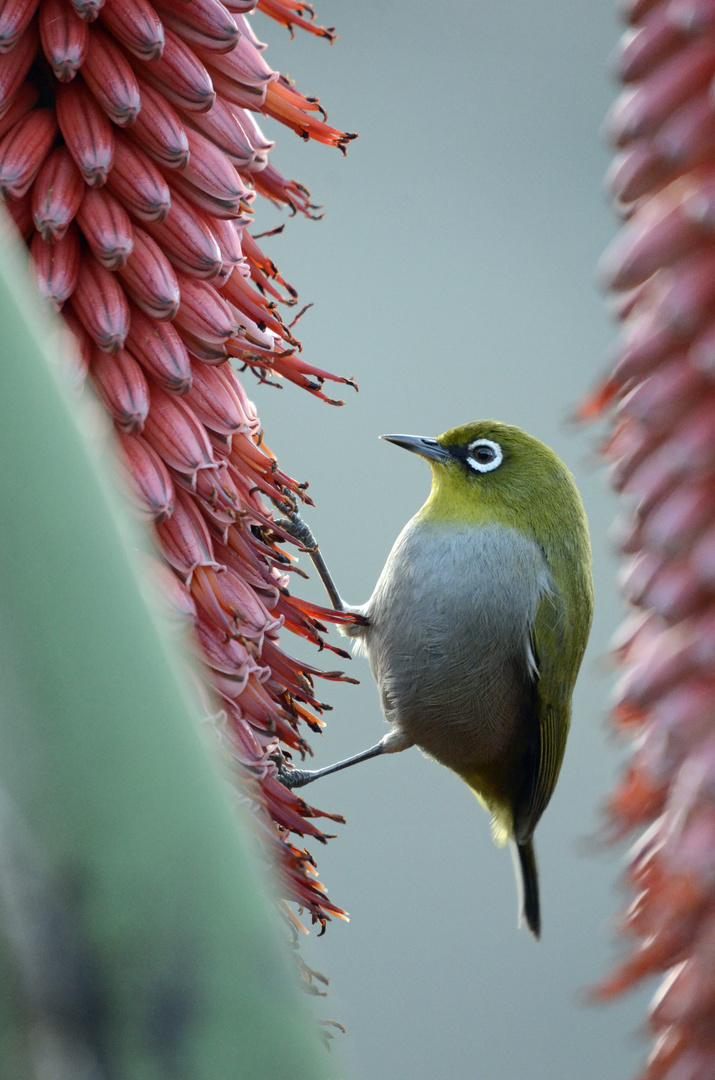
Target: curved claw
pixel 294 525
pixel 287 775
pixel 293 778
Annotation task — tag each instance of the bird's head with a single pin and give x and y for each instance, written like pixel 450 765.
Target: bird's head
pixel 486 471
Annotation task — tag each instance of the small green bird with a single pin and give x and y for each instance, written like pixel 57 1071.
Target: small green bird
pixel 478 624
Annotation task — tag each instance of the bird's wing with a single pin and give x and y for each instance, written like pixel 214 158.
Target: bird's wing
pixel 553 703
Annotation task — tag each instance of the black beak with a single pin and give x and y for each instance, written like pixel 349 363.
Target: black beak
pixel 426 448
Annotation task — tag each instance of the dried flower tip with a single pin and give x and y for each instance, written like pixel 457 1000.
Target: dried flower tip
pixel 272 185
pixel 240 294
pixel 305 125
pixel 290 13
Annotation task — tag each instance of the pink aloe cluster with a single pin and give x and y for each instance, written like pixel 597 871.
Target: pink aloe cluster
pixel 130 158
pixel 661 268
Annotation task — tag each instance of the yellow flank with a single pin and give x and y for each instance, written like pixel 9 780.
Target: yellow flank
pixel 493 784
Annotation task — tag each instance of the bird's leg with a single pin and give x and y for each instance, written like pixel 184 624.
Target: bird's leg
pixel 293 523
pixel 294 778
pixel 391 743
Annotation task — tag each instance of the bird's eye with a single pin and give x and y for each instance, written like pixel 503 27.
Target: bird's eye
pixel 484 455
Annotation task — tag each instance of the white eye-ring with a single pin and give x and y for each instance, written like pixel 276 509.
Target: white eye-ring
pixel 484 455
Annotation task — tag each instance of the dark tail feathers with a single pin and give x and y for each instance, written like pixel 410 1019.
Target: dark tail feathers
pixel 528 886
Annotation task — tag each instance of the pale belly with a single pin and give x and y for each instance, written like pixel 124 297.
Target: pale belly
pixel 449 639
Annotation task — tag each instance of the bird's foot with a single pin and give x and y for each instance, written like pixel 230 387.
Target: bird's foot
pixel 294 525
pixel 287 775
pixel 292 778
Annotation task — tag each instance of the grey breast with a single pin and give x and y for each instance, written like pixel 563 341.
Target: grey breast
pixel 449 636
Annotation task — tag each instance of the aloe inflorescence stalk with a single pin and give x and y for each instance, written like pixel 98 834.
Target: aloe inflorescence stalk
pixel 130 158
pixel 661 393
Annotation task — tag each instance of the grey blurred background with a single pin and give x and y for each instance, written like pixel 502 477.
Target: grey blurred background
pixel 453 276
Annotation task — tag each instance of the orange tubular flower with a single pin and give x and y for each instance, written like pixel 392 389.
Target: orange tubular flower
pixel 661 268
pixel 129 161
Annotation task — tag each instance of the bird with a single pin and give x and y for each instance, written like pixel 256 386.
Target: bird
pixel 476 629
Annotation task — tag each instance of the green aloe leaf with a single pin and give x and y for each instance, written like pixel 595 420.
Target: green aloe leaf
pixel 139 936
